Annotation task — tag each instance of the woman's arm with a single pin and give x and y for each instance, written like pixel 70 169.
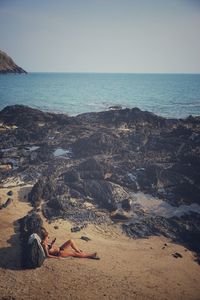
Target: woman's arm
pixel 53 242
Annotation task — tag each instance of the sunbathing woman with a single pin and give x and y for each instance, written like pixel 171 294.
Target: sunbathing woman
pixel 69 248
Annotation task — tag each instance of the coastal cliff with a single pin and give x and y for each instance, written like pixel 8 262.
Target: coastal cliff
pixel 7 65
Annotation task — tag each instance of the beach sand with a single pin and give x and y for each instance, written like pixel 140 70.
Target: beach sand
pixel 128 268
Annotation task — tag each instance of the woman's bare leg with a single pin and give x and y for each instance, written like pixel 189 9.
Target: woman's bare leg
pixel 78 254
pixel 72 244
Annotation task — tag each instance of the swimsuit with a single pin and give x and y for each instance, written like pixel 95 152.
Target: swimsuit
pixel 55 253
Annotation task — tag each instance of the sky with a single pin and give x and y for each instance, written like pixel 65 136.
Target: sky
pixel 129 36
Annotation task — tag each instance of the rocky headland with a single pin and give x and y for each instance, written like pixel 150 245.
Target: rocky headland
pixel 126 166
pixel 7 65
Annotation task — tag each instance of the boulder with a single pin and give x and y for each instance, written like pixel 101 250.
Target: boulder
pixel 93 169
pixel 120 215
pixel 71 176
pixel 126 204
pixel 36 193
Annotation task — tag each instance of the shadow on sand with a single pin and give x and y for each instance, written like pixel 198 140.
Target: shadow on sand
pixel 10 257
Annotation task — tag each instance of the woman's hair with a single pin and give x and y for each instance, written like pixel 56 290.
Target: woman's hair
pixel 44 234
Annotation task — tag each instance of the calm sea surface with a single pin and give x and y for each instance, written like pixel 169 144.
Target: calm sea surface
pixel 169 95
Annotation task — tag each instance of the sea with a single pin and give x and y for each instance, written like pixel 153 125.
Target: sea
pixel 168 95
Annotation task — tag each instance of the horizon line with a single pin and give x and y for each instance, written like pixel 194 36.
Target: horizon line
pixel 152 73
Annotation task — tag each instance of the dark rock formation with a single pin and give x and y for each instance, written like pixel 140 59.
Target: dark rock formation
pixel 126 204
pixel 88 166
pixel 36 193
pixel 32 223
pixel 10 193
pixel 185 230
pixel 120 215
pixel 6 204
pixel 7 65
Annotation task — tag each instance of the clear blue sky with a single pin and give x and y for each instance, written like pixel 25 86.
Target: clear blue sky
pixel 102 35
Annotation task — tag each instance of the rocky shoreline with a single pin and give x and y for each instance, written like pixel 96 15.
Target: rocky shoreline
pixel 92 167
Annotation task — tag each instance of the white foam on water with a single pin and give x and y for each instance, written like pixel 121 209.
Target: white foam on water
pixel 32 148
pixel 60 152
pixel 8 149
pixel 155 206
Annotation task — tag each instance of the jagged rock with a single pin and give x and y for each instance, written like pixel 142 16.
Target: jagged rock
pixel 183 230
pixel 77 228
pixel 6 204
pixel 32 223
pixel 126 204
pixel 120 215
pixel 36 193
pixel 115 107
pixel 98 143
pixel 71 176
pixel 59 202
pixel 113 155
pixel 22 116
pixel 93 169
pixel 104 193
pixel 85 238
pixel 177 255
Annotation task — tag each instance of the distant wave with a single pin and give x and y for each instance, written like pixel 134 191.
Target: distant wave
pixel 189 104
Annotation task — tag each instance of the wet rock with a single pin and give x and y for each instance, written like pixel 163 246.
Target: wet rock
pixel 182 230
pixel 177 255
pixel 10 193
pixel 32 223
pixel 21 115
pixel 98 143
pixel 33 157
pixel 51 214
pixel 75 194
pixel 71 176
pixel 115 107
pixel 105 194
pixel 147 178
pixel 93 169
pixel 85 238
pixel 7 203
pixel 120 215
pixel 36 193
pixel 126 204
pixel 77 228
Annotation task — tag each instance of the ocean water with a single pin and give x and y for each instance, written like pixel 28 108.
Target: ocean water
pixel 168 95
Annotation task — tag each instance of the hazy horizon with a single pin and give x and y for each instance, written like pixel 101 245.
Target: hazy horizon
pixel 102 36
pixel 90 72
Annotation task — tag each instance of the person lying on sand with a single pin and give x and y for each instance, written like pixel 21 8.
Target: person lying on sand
pixel 69 248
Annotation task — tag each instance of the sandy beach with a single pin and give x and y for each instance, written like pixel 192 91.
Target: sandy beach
pixel 128 268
